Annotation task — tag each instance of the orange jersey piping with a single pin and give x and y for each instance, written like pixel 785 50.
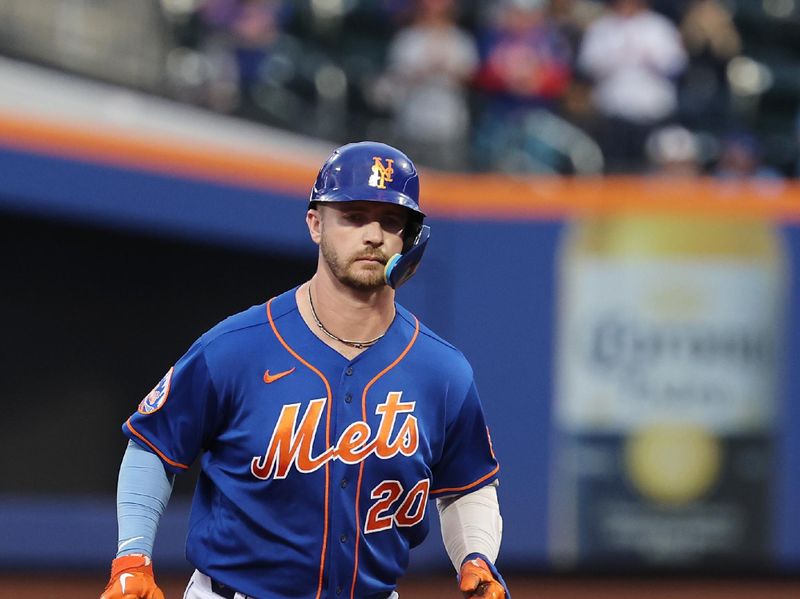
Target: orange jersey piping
pixel 327 440
pixel 361 467
pixel 153 447
pixel 469 486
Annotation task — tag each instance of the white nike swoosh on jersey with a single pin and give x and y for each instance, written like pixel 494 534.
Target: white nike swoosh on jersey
pixel 127 542
pixel 122 580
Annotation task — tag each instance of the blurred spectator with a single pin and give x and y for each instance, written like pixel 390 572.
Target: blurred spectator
pixel 526 65
pixel 740 159
pixel 525 58
pixel 241 36
pixel 673 151
pixel 400 13
pixel 672 9
pixel 573 17
pixel 711 38
pixel 633 55
pixel 429 64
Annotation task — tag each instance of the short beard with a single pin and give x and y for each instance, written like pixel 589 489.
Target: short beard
pixel 341 269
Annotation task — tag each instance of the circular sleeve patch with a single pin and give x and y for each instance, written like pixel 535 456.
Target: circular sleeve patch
pixel 155 400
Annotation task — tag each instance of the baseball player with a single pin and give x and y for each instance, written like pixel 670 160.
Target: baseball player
pixel 324 420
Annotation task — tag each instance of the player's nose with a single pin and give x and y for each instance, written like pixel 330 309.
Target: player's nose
pixel 373 233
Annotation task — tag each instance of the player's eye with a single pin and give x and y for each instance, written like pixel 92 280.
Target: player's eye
pixel 355 218
pixel 393 224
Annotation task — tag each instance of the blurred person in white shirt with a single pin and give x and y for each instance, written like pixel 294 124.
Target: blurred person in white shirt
pixel 634 56
pixel 430 63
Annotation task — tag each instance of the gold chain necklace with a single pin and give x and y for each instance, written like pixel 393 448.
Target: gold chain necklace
pixel 356 344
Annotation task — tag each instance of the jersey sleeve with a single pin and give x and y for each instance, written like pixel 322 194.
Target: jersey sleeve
pixel 176 419
pixel 467 461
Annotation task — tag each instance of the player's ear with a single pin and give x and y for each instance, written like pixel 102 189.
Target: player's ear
pixel 314 222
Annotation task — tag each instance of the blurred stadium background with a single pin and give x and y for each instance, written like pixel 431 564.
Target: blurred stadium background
pixel 624 283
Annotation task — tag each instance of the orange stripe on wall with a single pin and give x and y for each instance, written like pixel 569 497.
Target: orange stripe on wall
pixel 146 151
pixel 458 195
pixel 556 197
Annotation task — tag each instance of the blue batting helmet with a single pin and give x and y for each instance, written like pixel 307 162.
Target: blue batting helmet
pixel 376 172
pixel 370 171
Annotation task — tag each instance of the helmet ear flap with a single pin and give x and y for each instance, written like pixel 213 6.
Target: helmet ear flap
pixel 412 232
pixel 401 267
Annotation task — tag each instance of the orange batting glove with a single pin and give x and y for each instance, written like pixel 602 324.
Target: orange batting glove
pixel 478 578
pixel 132 578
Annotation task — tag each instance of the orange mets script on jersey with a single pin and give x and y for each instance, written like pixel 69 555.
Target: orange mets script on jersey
pixel 292 444
pixel 381 173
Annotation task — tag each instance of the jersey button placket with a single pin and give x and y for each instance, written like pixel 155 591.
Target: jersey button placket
pixel 344 474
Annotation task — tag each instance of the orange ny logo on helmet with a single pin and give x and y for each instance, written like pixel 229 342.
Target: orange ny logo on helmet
pixel 380 173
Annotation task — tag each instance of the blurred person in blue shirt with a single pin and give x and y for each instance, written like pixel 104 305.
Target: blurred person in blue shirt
pixel 525 66
pixel 740 158
pixel 241 35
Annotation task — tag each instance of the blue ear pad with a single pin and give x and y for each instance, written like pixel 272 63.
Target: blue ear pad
pixel 400 267
pixel 389 268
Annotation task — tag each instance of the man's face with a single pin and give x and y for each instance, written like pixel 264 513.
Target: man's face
pixel 356 240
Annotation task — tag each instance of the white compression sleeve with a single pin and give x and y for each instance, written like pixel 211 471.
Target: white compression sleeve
pixel 471 523
pixel 143 491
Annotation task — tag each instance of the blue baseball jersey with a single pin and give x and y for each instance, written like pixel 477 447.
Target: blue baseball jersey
pixel 316 470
